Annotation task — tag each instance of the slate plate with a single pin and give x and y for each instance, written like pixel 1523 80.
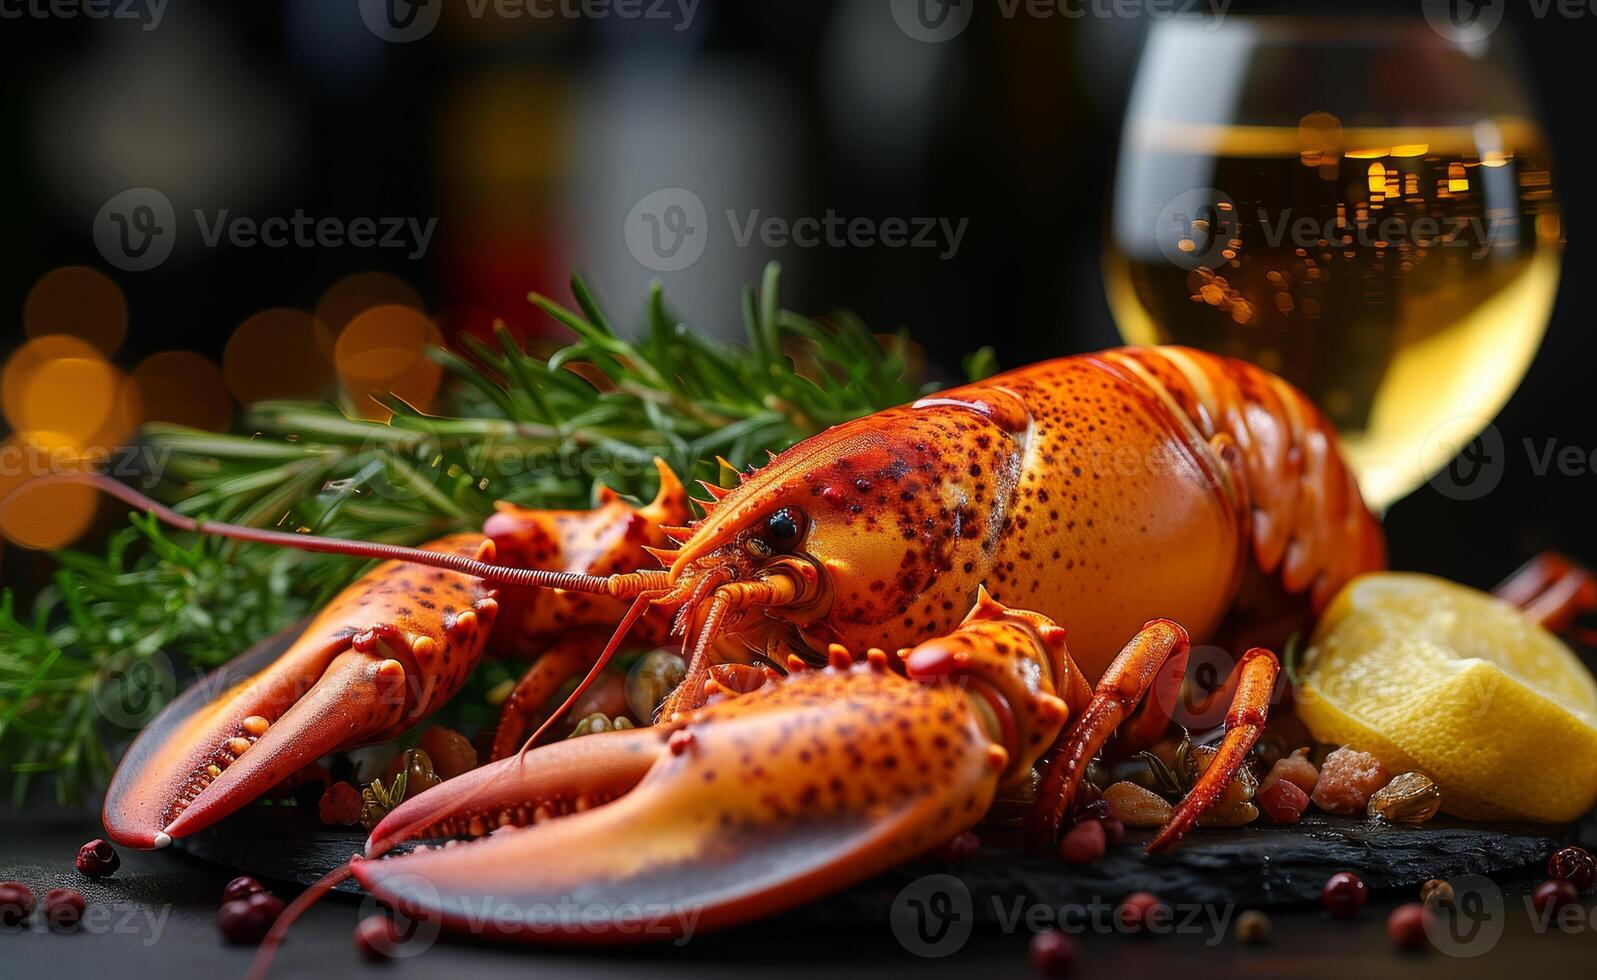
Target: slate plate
pixel 1258 866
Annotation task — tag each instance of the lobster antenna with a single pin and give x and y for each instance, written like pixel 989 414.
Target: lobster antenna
pixel 286 918
pixel 635 612
pixel 621 586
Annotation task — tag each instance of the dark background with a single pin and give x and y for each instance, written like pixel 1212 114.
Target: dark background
pixel 529 140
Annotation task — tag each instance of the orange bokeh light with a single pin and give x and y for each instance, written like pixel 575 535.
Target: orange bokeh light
pixel 353 295
pixel 26 361
pixel 183 388
pixel 80 302
pixel 74 396
pixel 47 517
pixel 279 353
pixel 385 350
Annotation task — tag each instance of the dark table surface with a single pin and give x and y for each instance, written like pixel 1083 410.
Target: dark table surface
pixel 156 917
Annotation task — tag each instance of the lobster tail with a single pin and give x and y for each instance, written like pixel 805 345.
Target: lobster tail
pixel 1306 519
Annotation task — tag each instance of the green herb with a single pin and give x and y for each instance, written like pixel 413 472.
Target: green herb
pixel 1173 781
pixel 536 430
pixel 113 637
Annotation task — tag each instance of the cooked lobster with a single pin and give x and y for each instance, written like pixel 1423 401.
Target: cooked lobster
pixel 1104 497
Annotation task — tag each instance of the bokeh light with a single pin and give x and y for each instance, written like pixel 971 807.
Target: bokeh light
pixel 80 302
pixel 28 360
pixel 46 517
pixel 385 350
pixel 61 385
pixel 279 353
pixel 183 388
pixel 74 396
pixel 353 295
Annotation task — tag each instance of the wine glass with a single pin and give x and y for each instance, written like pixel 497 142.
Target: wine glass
pixel 1362 206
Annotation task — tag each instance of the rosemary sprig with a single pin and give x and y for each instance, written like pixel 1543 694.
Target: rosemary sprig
pixel 121 627
pixel 110 640
pixel 1175 780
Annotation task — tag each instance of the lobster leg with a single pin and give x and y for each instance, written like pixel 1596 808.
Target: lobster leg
pixel 1129 676
pixel 1244 723
pixel 385 653
pixel 568 658
pixel 1150 723
pixel 1553 591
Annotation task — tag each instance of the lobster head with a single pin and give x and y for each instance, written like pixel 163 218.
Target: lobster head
pixel 876 532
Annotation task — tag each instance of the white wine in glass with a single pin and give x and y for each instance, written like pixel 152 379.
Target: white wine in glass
pixel 1365 208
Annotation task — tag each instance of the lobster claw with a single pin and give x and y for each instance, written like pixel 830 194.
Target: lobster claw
pixel 385 653
pixel 750 806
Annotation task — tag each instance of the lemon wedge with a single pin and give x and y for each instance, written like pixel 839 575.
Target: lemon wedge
pixel 1432 676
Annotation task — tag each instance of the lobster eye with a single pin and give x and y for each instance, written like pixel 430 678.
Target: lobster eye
pixel 783 528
